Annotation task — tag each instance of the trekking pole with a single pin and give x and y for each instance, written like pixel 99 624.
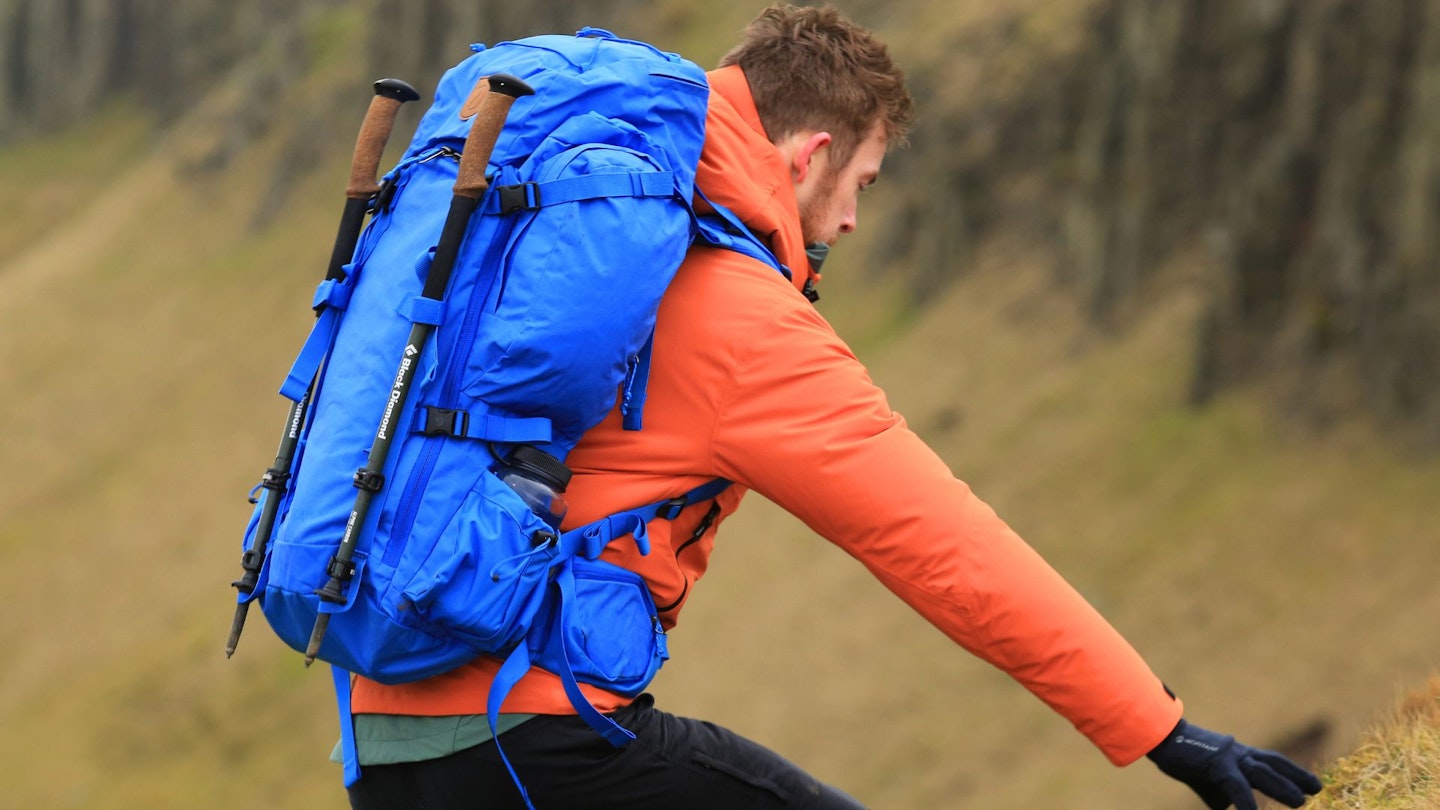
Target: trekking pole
pixel 470 186
pixel 362 188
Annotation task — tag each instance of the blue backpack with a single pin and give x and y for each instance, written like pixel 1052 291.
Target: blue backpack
pixel 387 540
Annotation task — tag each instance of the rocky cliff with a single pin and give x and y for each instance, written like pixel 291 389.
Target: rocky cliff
pixel 1288 146
pixel 1284 148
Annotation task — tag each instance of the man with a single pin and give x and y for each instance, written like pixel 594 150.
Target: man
pixel 750 384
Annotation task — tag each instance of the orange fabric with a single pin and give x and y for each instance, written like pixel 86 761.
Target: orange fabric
pixel 750 383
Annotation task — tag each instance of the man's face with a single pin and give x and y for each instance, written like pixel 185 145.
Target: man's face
pixel 828 196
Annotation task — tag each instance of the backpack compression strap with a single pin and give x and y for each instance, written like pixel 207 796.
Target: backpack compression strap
pixel 529 196
pixel 331 298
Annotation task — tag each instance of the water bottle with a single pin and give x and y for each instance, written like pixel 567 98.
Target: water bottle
pixel 540 480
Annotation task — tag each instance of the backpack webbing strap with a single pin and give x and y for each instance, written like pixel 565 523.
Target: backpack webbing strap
pixel 331 298
pixel 637 383
pixel 517 663
pixel 529 196
pixel 589 540
pixel 351 756
pixel 723 229
pixel 723 238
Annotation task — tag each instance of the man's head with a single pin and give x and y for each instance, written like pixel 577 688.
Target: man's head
pixel 831 99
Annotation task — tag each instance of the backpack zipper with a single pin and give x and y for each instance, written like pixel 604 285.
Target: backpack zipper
pixel 409 507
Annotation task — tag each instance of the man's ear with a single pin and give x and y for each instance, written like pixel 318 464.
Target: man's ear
pixel 805 152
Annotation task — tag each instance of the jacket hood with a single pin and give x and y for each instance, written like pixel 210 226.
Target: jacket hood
pixel 742 170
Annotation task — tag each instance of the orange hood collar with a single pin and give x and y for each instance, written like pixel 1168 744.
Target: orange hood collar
pixel 742 170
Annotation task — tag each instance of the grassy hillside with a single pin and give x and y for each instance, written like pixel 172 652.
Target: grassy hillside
pixel 1274 577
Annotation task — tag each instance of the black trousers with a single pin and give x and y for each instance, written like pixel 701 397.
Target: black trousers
pixel 674 762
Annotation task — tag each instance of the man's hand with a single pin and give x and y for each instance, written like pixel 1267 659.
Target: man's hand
pixel 1224 772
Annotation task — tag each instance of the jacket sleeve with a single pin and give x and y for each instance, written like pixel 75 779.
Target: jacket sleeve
pixel 804 426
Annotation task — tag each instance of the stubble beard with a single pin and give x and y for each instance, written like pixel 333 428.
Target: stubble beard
pixel 813 227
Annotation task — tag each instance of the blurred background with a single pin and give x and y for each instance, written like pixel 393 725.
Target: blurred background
pixel 1158 278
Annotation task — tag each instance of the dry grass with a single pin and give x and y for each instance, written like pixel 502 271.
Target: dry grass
pixel 1396 766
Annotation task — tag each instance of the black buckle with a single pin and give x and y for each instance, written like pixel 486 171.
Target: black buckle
pixel 672 508
pixel 445 422
pixel 339 570
pixel 369 481
pixel 251 560
pixel 274 479
pixel 519 197
pixel 381 200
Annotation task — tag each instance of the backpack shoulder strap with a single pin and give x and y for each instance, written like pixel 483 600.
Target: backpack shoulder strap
pixel 723 229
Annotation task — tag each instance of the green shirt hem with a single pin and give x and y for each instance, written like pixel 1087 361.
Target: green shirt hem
pixel 387 739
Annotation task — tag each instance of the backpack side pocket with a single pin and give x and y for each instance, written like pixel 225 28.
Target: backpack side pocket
pixel 485 578
pixel 608 626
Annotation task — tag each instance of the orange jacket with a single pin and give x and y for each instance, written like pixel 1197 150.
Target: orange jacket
pixel 749 383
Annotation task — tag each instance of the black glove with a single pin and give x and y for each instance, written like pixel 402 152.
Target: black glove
pixel 1224 772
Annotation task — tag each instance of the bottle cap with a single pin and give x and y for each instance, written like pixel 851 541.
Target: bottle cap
pixel 541 466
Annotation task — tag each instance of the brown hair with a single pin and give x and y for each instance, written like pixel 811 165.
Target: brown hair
pixel 811 68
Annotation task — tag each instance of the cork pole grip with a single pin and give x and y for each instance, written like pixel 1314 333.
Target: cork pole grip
pixel 484 131
pixel 374 133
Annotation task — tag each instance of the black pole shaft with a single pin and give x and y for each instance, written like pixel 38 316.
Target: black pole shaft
pixel 352 221
pixel 375 131
pixel 275 483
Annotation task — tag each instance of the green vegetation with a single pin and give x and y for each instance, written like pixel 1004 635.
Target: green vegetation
pixel 48 179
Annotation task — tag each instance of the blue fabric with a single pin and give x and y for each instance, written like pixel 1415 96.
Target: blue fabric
pixel 600 625
pixel 350 760
pixel 548 314
pixel 424 310
pixel 611 137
